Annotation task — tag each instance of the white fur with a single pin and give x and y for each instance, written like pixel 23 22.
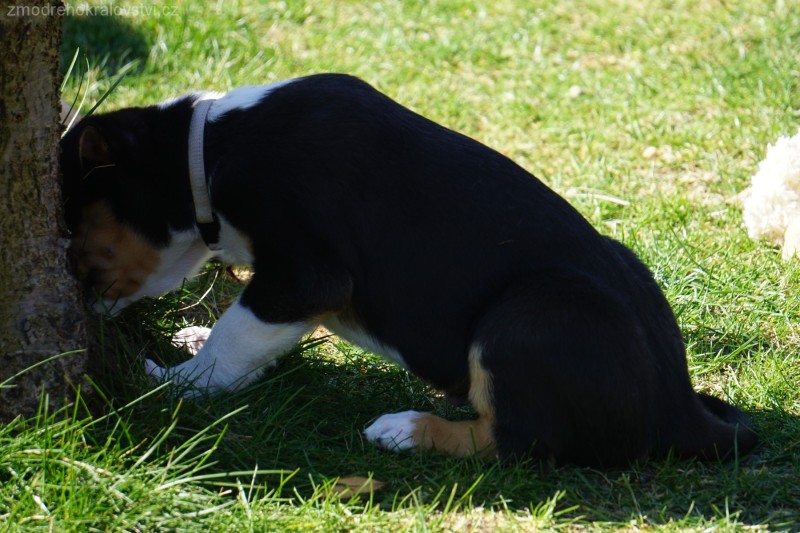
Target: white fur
pixel 359 337
pixel 772 208
pixel 235 247
pixel 394 431
pixel 182 258
pixel 242 98
pixel 191 339
pixel 238 99
pixel 239 347
pixel 202 95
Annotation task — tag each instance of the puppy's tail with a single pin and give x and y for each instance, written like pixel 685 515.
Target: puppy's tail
pixel 721 431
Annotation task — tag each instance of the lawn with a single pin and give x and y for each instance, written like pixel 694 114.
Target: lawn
pixel 650 117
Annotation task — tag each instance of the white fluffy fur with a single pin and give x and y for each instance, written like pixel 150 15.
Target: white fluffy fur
pixel 238 347
pixel 772 208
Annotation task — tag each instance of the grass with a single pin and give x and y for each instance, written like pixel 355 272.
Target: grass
pixel 650 117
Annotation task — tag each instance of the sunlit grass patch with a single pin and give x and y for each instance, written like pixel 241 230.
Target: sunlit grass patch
pixel 648 116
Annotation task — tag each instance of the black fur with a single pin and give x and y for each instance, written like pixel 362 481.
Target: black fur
pixel 431 242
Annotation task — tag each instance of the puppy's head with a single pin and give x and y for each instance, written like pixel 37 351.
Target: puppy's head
pixel 124 210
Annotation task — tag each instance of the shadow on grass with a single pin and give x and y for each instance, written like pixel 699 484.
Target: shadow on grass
pixel 306 416
pixel 109 43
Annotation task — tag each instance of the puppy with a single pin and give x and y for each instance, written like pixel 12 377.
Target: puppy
pixel 407 239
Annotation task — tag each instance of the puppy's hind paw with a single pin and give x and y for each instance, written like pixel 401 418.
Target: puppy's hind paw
pixel 396 431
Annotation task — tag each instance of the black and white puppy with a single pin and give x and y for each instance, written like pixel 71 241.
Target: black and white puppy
pixel 406 238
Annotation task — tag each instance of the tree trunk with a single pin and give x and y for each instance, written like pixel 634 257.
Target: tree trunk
pixel 41 310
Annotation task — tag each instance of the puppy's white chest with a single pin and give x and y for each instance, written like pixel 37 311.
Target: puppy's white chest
pixel 236 247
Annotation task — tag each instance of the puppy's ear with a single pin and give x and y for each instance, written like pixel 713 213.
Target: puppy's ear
pixel 93 149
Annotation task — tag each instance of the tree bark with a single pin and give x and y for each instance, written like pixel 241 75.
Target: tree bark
pixel 41 309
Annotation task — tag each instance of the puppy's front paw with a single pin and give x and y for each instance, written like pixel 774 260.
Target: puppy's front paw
pixel 191 339
pixel 154 371
pixel 394 431
pixel 160 375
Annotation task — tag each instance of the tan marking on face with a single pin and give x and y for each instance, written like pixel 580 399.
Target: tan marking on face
pixel 468 437
pixel 114 258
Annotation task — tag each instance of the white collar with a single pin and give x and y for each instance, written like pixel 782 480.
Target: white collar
pixel 204 215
